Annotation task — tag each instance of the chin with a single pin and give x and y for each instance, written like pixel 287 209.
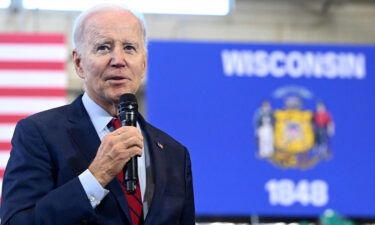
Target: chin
pixel 117 95
pixel 125 91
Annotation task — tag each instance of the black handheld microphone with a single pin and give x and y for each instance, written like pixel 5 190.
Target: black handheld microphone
pixel 128 112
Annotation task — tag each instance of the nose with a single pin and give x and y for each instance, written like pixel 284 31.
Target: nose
pixel 118 57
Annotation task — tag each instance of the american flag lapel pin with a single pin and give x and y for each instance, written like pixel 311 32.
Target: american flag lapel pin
pixel 160 145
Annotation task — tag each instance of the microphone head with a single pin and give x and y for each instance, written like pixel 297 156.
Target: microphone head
pixel 128 103
pixel 128 97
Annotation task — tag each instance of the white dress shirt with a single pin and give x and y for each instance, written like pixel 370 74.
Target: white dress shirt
pixel 100 119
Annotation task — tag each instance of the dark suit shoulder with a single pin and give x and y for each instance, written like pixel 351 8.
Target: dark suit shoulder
pixel 59 114
pixel 50 114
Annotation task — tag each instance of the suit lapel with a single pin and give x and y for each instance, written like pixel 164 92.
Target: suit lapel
pixel 87 141
pixel 83 132
pixel 158 165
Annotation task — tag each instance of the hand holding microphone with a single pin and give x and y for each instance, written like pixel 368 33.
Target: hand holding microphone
pixel 119 149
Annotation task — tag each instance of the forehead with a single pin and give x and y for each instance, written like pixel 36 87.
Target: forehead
pixel 115 24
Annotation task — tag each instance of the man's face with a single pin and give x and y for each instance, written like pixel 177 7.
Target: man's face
pixel 112 58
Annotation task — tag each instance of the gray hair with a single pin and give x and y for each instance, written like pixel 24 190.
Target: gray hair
pixel 78 27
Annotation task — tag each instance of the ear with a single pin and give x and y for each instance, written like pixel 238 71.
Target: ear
pixel 77 63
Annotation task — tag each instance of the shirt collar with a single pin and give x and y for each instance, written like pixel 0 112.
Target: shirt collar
pixel 99 117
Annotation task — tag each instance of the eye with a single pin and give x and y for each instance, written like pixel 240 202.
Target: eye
pixel 102 48
pixel 129 48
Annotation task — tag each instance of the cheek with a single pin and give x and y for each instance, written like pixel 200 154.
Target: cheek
pixel 92 71
pixel 140 66
pixel 141 71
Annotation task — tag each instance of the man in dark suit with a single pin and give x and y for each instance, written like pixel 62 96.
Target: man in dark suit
pixel 65 162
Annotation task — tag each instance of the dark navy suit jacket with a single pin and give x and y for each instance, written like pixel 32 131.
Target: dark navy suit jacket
pixel 50 149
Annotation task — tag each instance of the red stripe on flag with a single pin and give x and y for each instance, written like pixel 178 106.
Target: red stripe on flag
pixel 32 38
pixel 5 145
pixel 27 65
pixel 32 92
pixel 2 173
pixel 11 118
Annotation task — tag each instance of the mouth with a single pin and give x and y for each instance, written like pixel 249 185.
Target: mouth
pixel 117 78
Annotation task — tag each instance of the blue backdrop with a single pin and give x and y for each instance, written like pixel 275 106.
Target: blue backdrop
pixel 206 95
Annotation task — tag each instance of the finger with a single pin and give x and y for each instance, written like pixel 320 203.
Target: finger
pixel 130 142
pixel 129 153
pixel 125 129
pixel 126 132
pixel 135 151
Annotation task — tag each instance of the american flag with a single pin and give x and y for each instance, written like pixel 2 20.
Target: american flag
pixel 32 79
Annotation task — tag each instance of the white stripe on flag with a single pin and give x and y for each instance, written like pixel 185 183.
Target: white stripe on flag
pixel 32 78
pixel 33 52
pixel 4 157
pixel 6 131
pixel 29 105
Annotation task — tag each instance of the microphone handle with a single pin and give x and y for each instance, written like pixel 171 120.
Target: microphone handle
pixel 131 175
pixel 130 170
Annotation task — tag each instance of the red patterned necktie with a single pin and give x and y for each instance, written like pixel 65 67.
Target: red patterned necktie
pixel 134 200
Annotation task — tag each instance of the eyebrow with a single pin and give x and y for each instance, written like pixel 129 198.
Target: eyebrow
pixel 102 42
